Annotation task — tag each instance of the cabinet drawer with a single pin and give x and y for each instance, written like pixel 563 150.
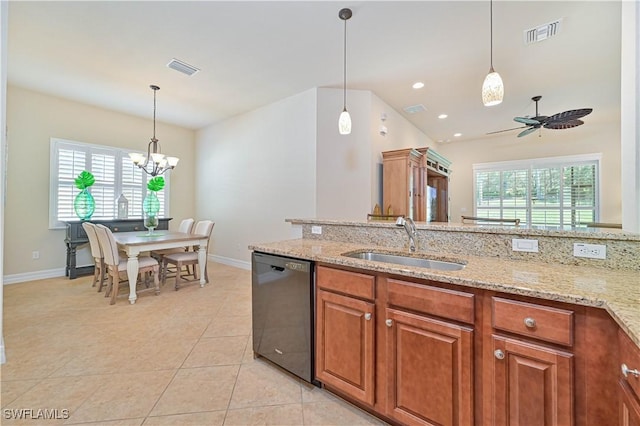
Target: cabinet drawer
pixel 541 322
pixel 351 283
pixel 126 227
pixel 629 356
pixel 441 302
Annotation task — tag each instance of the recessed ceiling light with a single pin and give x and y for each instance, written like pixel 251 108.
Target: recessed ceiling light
pixel 442 116
pixel 418 85
pixel 457 135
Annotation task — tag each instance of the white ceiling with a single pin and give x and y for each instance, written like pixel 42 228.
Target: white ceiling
pixel 254 53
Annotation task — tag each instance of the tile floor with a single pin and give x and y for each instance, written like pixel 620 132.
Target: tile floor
pixel 180 358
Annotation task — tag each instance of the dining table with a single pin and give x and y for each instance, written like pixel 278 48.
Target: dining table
pixel 134 243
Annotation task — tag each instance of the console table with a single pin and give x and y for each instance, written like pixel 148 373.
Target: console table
pixel 75 236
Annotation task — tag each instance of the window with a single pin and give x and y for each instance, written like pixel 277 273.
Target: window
pixel 560 191
pixel 114 172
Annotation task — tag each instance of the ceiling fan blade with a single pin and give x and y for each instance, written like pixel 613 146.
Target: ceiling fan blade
pixel 505 130
pixel 526 120
pixel 563 124
pixel 528 131
pixel 573 114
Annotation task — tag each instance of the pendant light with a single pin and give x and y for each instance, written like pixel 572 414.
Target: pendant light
pixel 344 122
pixel 154 163
pixel 492 88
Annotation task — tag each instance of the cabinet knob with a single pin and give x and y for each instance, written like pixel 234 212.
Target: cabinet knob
pixel 499 354
pixel 626 371
pixel 115 229
pixel 367 316
pixel 389 322
pixel 529 322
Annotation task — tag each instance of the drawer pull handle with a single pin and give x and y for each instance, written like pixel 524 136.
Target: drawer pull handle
pixel 389 322
pixel 115 229
pixel 367 316
pixel 626 371
pixel 529 322
pixel 499 354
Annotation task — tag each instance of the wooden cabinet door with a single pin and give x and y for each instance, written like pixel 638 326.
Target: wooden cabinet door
pixel 430 370
pixel 629 408
pixel 345 351
pixel 532 384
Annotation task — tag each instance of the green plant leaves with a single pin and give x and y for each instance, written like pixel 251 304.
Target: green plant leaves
pixel 155 184
pixel 86 179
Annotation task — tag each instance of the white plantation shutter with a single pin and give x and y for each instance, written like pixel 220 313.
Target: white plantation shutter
pixel 561 191
pixel 114 174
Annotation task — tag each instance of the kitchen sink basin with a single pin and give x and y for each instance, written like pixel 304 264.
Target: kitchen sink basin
pixel 406 260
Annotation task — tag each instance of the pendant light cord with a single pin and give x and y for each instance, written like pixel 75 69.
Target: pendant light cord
pixel 491 31
pixel 344 99
pixel 154 113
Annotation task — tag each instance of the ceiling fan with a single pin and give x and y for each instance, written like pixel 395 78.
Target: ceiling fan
pixel 562 120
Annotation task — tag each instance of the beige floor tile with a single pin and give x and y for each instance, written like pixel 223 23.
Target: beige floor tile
pixel 124 396
pixel 276 415
pixel 260 383
pixel 336 413
pixel 14 388
pixel 122 422
pixel 198 389
pixel 209 418
pixel 217 351
pixel 223 326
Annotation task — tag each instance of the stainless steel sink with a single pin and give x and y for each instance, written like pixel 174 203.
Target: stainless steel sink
pixel 406 260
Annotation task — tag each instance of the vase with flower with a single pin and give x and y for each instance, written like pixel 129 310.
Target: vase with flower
pixel 151 204
pixel 84 205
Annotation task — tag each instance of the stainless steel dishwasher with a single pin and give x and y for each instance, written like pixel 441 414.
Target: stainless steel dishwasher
pixel 282 312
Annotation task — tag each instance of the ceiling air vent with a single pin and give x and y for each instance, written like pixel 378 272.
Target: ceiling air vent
pixel 183 67
pixel 414 108
pixel 542 32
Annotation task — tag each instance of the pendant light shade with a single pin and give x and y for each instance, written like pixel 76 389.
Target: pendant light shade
pixel 492 88
pixel 344 122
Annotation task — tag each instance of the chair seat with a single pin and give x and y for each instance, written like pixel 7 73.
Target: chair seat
pixel 143 262
pixel 185 256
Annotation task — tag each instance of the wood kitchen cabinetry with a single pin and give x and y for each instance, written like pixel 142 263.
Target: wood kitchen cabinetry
pixel 416 184
pixel 420 352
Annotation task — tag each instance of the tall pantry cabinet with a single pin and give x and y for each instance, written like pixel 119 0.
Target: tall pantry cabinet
pixel 415 184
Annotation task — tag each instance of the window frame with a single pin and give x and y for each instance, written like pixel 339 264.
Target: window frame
pixel 537 163
pixel 56 144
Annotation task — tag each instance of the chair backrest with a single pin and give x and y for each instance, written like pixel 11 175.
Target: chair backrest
pixel 108 245
pixel 203 227
pixel 90 230
pixel 186 226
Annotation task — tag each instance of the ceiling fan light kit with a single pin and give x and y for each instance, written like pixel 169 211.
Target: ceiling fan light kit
pixel 492 88
pixel 344 122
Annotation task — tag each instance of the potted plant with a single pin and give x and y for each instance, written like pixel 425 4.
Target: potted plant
pixel 151 204
pixel 84 204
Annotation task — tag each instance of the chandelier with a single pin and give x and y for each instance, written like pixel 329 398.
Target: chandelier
pixel 154 163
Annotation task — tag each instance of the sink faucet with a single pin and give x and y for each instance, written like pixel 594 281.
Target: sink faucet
pixel 410 227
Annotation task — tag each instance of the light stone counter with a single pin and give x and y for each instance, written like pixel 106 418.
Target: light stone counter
pixel 616 290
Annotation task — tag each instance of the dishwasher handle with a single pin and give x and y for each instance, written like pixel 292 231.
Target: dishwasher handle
pixel 277 268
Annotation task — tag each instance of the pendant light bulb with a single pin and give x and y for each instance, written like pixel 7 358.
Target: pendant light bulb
pixel 492 88
pixel 344 122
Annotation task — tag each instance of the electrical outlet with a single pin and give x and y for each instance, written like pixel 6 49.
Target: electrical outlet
pixel 35 255
pixel 530 246
pixel 591 251
pixel 316 230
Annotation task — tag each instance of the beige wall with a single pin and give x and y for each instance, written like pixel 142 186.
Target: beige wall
pixel 587 139
pixel 32 119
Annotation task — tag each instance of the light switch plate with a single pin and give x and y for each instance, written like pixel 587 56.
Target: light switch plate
pixel 530 246
pixel 591 251
pixel 316 230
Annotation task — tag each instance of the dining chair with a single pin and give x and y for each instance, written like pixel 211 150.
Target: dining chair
pixel 115 264
pixel 182 259
pixel 96 253
pixel 186 226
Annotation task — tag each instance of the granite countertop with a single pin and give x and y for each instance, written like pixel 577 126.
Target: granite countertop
pixel 617 291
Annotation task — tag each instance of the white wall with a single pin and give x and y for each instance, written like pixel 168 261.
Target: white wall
pixel 630 123
pixel 4 18
pixel 255 170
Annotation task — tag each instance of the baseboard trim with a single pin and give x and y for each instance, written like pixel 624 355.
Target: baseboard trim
pixel 242 264
pixel 59 272
pixel 32 276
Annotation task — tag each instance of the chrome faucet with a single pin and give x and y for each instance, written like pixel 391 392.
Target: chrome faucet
pixel 410 227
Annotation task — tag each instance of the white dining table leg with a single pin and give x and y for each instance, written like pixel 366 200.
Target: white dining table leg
pixel 202 262
pixel 132 275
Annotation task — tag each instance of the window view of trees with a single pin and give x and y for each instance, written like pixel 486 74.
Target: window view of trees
pixel 562 195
